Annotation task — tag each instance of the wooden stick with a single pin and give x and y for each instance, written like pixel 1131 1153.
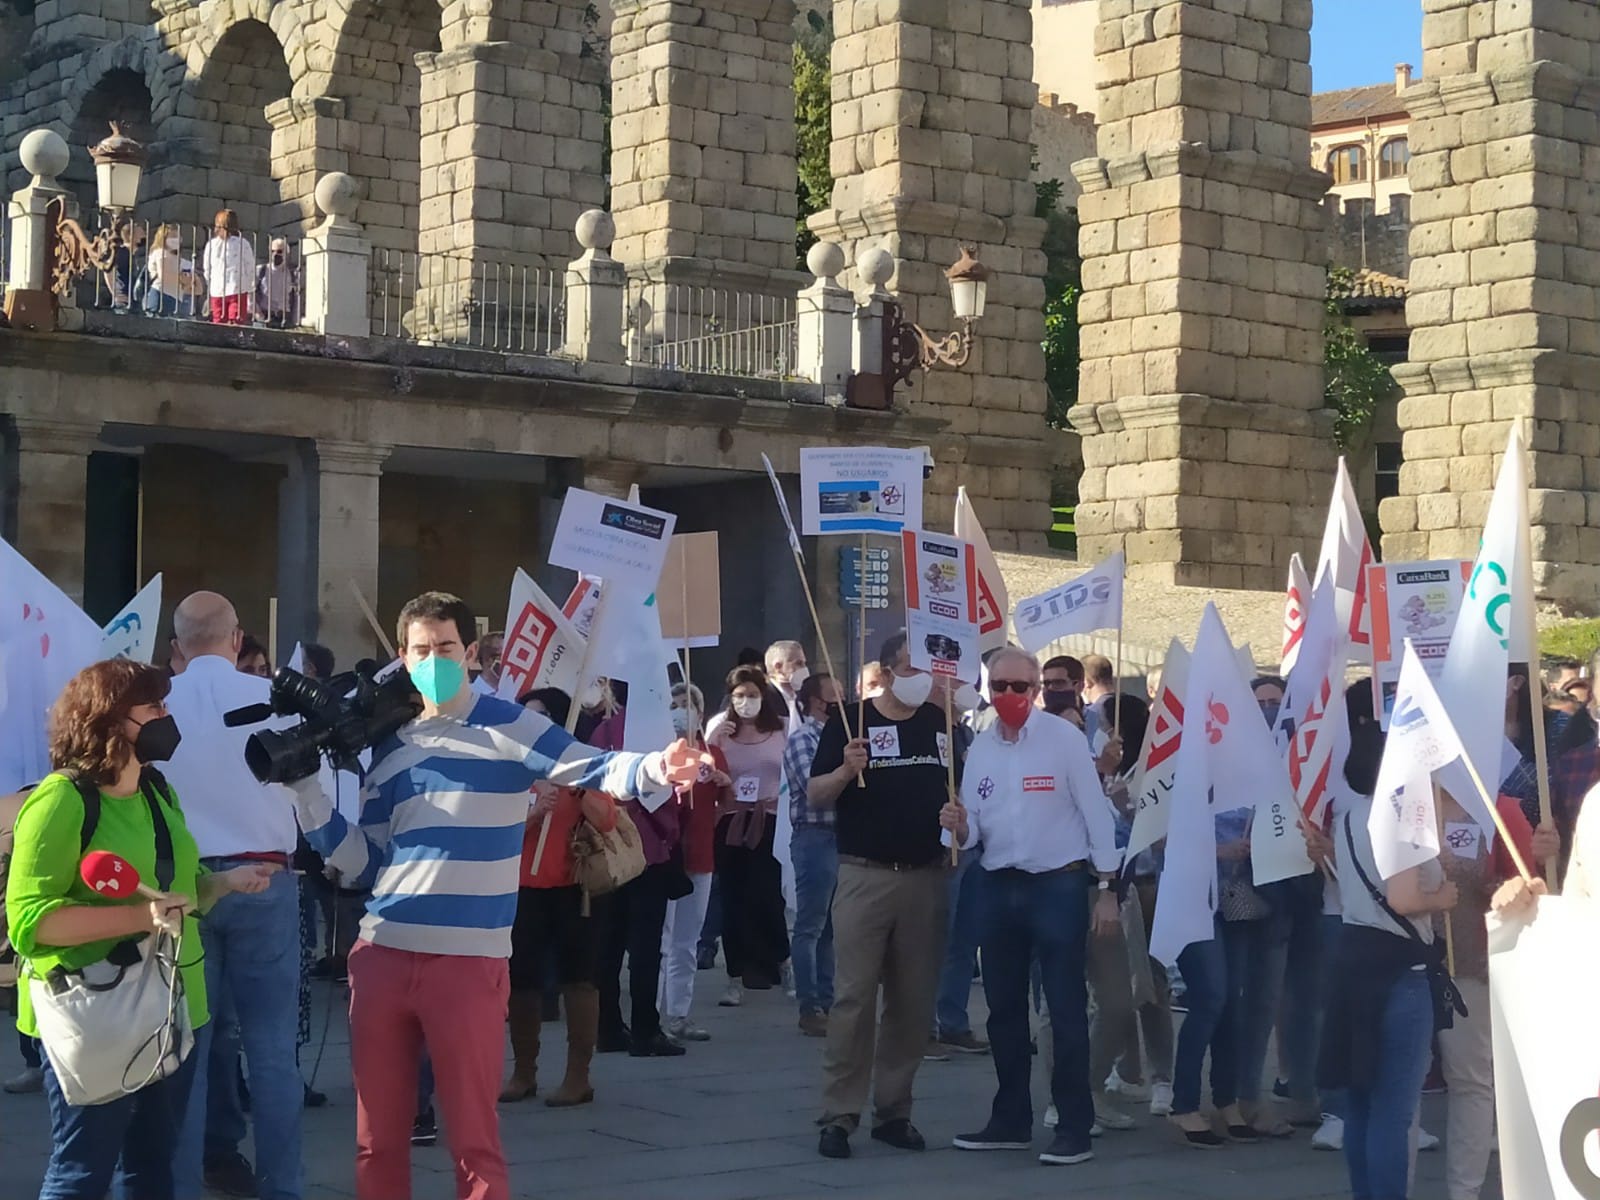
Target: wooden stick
pixel 822 641
pixel 1116 692
pixel 950 763
pixel 1499 822
pixel 372 620
pixel 861 595
pixel 272 628
pixel 1541 760
pixel 683 573
pixel 1449 929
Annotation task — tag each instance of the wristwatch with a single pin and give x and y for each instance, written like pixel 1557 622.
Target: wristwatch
pixel 1104 885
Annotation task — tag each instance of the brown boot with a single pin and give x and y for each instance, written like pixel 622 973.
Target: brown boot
pixel 582 1003
pixel 524 1012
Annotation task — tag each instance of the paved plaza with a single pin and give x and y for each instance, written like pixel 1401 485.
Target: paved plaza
pixel 733 1120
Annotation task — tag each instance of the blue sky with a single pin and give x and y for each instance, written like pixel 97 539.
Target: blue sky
pixel 1356 42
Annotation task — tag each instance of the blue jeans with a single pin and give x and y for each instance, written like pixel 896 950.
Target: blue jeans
pixel 132 1139
pixel 32 1055
pixel 1257 951
pixel 1021 917
pixel 1210 1023
pixel 1377 1123
pixel 1307 982
pixel 252 949
pixel 815 854
pixel 225 1120
pixel 961 950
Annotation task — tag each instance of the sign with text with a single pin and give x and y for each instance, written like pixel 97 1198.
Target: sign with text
pixel 860 489
pixel 625 544
pixel 1417 601
pixel 941 605
pixel 689 594
pixel 1091 601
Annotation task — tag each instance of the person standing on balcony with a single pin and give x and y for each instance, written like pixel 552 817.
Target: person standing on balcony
pixel 278 288
pixel 169 284
pixel 229 264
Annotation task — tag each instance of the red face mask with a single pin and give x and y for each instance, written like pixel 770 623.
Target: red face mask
pixel 1012 708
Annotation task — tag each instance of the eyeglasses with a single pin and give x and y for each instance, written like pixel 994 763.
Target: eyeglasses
pixel 1058 685
pixel 1020 686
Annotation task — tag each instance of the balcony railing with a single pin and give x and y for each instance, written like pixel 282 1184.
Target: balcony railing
pixel 450 300
pixel 711 331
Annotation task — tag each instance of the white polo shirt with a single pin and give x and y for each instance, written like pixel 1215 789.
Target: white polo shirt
pixel 1037 803
pixel 227 811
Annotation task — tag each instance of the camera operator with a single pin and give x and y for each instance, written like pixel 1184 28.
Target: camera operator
pixel 252 942
pixel 440 844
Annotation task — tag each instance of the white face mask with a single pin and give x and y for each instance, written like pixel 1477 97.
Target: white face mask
pixel 172 243
pixel 748 707
pixel 912 690
pixel 966 697
pixel 684 723
pixel 593 696
pixel 798 676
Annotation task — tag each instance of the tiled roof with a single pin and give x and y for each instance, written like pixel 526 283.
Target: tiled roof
pixel 1354 105
pixel 1375 285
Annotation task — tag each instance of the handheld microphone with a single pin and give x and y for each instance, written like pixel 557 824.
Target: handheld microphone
pixel 250 714
pixel 112 875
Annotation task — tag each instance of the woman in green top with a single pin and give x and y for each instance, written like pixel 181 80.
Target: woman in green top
pixel 109 722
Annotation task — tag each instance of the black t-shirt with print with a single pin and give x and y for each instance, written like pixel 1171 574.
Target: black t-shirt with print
pixel 895 818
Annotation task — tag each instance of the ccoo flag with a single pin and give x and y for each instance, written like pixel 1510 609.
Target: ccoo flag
pixel 1158 757
pixel 1403 823
pixel 1296 601
pixel 1091 601
pixel 993 600
pixel 1493 629
pixel 542 649
pixel 1345 556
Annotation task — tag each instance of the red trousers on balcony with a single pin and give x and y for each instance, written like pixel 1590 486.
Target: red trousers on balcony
pixel 230 310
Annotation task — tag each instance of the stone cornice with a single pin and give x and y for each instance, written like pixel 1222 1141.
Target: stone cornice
pixel 1189 409
pixel 905 214
pixel 1243 168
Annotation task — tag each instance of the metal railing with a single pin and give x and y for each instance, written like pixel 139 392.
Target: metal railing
pixel 460 301
pixel 188 272
pixel 711 331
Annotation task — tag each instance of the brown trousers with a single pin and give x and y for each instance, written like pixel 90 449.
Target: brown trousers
pixel 889 930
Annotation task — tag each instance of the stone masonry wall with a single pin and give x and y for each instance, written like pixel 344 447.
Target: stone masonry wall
pixel 1206 449
pixel 1505 249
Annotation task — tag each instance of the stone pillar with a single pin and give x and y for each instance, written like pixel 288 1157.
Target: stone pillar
pixel 596 287
pixel 824 325
pixel 932 123
pixel 702 137
pixel 1505 247
pixel 1207 452
pixel 347 544
pixel 306 145
pixel 52 496
pixel 511 154
pixel 611 477
pixel 28 304
pixel 337 260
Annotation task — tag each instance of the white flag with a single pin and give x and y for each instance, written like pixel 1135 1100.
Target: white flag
pixel 1493 629
pixel 1546 1049
pixel 1226 752
pixel 45 639
pixel 1345 556
pixel 297 658
pixel 783 508
pixel 132 632
pixel 994 603
pixel 1296 601
pixel 1404 824
pixel 1313 724
pixel 1158 758
pixel 542 649
pixel 1091 601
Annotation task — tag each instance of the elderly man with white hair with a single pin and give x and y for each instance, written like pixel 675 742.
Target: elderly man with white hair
pixel 1032 795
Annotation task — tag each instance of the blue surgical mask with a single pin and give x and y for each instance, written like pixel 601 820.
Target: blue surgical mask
pixel 438 679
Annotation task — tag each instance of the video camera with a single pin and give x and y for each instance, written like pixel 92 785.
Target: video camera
pixel 343 716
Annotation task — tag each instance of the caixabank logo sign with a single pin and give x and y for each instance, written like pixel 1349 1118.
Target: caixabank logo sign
pixel 631 520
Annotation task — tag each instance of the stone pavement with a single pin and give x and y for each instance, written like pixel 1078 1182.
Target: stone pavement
pixel 733 1120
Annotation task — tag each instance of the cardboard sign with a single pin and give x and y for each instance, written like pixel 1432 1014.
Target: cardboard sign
pixel 1417 601
pixel 624 544
pixel 941 605
pixel 689 594
pixel 860 489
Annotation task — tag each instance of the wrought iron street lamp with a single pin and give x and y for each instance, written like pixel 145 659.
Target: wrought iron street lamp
pixel 119 164
pixel 909 347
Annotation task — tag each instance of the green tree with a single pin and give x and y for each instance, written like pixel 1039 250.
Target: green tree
pixel 1062 288
pixel 813 120
pixel 1356 381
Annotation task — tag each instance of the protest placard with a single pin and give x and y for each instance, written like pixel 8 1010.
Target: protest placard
pixel 860 489
pixel 941 605
pixel 625 544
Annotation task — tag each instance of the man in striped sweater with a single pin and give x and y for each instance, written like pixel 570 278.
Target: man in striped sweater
pixel 439 844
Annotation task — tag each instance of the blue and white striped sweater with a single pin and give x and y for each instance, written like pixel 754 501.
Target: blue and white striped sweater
pixel 442 819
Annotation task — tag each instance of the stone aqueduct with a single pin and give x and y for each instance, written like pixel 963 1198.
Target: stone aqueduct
pixel 475 129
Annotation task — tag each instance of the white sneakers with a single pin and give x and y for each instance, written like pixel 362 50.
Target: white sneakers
pixel 1329 1135
pixel 1116 1085
pixel 684 1030
pixel 1426 1141
pixel 733 997
pixel 1051 1117
pixel 1160 1099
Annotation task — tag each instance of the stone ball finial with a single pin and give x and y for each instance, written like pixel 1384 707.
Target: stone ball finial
pixel 44 154
pixel 875 267
pixel 337 194
pixel 596 229
pixel 825 260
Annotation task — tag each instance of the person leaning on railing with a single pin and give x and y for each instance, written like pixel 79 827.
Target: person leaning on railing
pixel 229 263
pixel 168 285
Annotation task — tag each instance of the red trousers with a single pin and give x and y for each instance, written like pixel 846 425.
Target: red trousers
pixel 230 310
pixel 457 1006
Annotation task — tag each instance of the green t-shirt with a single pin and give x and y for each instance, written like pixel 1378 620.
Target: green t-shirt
pixel 44 877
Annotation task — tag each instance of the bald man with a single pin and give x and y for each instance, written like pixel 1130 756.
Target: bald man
pixel 252 943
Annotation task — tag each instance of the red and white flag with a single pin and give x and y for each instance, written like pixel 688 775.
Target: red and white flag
pixel 1313 724
pixel 994 602
pixel 542 648
pixel 1296 601
pixel 1226 752
pixel 1158 758
pixel 1345 556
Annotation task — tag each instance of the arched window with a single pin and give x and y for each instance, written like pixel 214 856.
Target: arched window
pixel 1394 158
pixel 1347 164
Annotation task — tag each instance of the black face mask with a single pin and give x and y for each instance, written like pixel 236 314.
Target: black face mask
pixel 831 713
pixel 1059 702
pixel 157 741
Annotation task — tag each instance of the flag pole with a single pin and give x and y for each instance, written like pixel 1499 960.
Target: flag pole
pixel 1116 690
pixel 372 620
pixel 1449 929
pixel 683 575
pixel 950 763
pixel 1541 757
pixel 861 618
pixel 1499 822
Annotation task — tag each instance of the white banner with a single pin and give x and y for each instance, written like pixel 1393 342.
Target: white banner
pixel 1091 601
pixel 1158 759
pixel 1313 723
pixel 941 576
pixel 1345 556
pixel 542 649
pixel 994 602
pixel 860 489
pixel 132 632
pixel 1542 985
pixel 1296 601
pixel 783 509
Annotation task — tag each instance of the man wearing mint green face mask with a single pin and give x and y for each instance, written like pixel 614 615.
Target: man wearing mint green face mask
pixel 440 845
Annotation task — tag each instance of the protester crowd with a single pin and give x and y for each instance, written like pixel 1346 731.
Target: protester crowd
pixel 932 830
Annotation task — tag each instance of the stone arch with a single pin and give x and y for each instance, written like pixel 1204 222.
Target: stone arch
pixel 120 94
pixel 219 18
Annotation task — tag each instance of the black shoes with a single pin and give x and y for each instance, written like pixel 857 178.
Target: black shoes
pixel 425 1129
pixel 614 1041
pixel 1066 1152
pixel 657 1046
pixel 314 1098
pixel 991 1139
pixel 231 1175
pixel 901 1134
pixel 834 1142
